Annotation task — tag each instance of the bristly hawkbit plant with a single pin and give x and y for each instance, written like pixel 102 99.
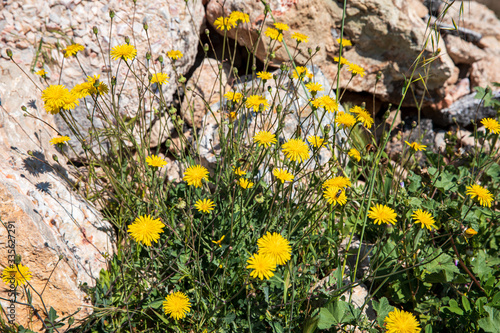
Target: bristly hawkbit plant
pixel 261 237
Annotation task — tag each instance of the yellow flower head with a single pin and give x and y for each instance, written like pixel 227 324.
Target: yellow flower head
pixel 313 86
pixel 82 90
pixel 282 175
pixel 225 23
pixel 276 247
pixel 382 214
pixel 73 49
pixel 262 265
pixel 356 69
pixel 177 305
pixel 195 174
pixel 95 87
pixel 328 103
pixel 300 38
pixel 345 119
pixel 296 150
pixel 491 125
pixel 421 216
pixel 264 75
pixel 204 206
pixel 156 161
pixel 335 195
pixel 124 51
pixel 300 72
pixel 145 229
pixel 59 140
pixel 174 54
pixel 245 183
pixel 265 138
pixel 255 101
pixel 315 141
pixel 160 78
pixel 342 60
pixel 16 276
pixel 239 17
pixel 469 233
pixel 365 118
pixel 356 109
pixel 399 321
pixel 239 172
pixel 218 242
pixel 416 146
pixel 57 97
pixel 339 181
pixel 354 153
pixel 274 34
pixel 281 26
pixel 484 196
pixel 344 42
pixel 41 73
pixel 233 96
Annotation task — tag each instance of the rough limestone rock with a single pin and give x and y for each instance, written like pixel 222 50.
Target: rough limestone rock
pixel 484 72
pixel 463 52
pixel 50 219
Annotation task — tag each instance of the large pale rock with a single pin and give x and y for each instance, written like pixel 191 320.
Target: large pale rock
pixel 50 219
pixel 463 52
pixel 484 72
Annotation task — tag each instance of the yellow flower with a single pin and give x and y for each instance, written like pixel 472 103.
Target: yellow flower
pixel 300 37
pixel 491 125
pixel 145 229
pixel 421 216
pixel 177 305
pixel 156 161
pixel 315 141
pixel 469 233
pixel 95 87
pixel 357 109
pixel 281 26
pixel 239 172
pixel 195 174
pixel 339 181
pixel 296 150
pixel 81 90
pixel 265 138
pixel 313 86
pixel 264 75
pixel 233 96
pixel 255 101
pixel 204 206
pixel 275 247
pixel 345 119
pixel 274 34
pixel 335 195
pixel 328 103
pixel 72 49
pixel 160 78
pixel 416 146
pixel 344 42
pixel 354 153
pixel 224 23
pixel 342 60
pixel 16 276
pixel 399 321
pixel 245 183
pixel 41 73
pixel 300 72
pixel 282 175
pixel 382 214
pixel 174 54
pixel 484 196
pixel 365 118
pixel 124 51
pixel 262 265
pixel 57 97
pixel 356 69
pixel 238 17
pixel 59 140
pixel 219 241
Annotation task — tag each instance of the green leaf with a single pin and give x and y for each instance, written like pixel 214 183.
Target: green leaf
pixel 454 307
pixel 154 305
pixel 344 312
pixel 382 308
pixel 443 267
pixel 326 319
pixel 492 322
pixel 466 304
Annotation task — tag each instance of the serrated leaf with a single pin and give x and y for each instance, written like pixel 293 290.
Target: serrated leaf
pixel 326 319
pixel 382 308
pixel 492 322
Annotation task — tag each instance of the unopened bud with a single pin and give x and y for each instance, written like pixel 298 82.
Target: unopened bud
pixel 168 143
pixel 413 124
pixel 148 55
pixel 9 53
pixel 318 48
pixel 487 90
pixel 30 152
pixel 207 32
pixel 283 67
pixel 95 30
pixel 17 259
pixel 111 14
pixel 327 129
pixel 182 79
pixel 279 108
pixel 205 48
pixel 127 39
pixel 55 158
pixel 24 108
pixel 235 71
pixel 379 75
pixel 172 111
pixel 160 59
pixel 309 50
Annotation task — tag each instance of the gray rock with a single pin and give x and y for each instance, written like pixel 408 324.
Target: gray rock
pixel 465 110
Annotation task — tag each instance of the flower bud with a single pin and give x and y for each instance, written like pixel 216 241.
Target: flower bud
pixel 205 48
pixel 172 111
pixel 235 71
pixel 30 152
pixel 413 124
pixel 160 59
pixel 24 108
pixel 318 48
pixel 309 50
pixel 9 53
pixel 111 14
pixel 148 55
pixel 55 158
pixel 17 259
pixel 207 32
pixel 127 39
pixel 95 30
pixel 145 26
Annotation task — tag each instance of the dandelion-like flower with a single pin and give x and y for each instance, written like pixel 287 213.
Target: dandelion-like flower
pixel 177 305
pixel 274 34
pixel 425 218
pixel 156 161
pixel 469 233
pixel 416 146
pixel 255 101
pixel 81 90
pixel 195 174
pixel 224 23
pixel 160 78
pixel 315 141
pixel 41 73
pixel 482 194
pixel 204 206
pixel 265 138
pixel 239 17
pixel 300 72
pixel 335 195
pixel 357 109
pixel 282 175
pixel 399 321
pixel 382 214
pixel 296 150
pixel 17 276
pixel 124 51
pixel 218 242
pixel 491 125
pixel 314 87
pixel 262 265
pixel 245 183
pixel 175 54
pixel 264 75
pixel 354 153
pixel 95 87
pixel 328 103
pixel 300 38
pixel 339 181
pixel 365 118
pixel 145 229
pixel 276 247
pixel 344 42
pixel 72 49
pixel 59 140
pixel 345 119
pixel 342 60
pixel 234 96
pixel 239 172
pixel 281 26
pixel 57 97
pixel 356 69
